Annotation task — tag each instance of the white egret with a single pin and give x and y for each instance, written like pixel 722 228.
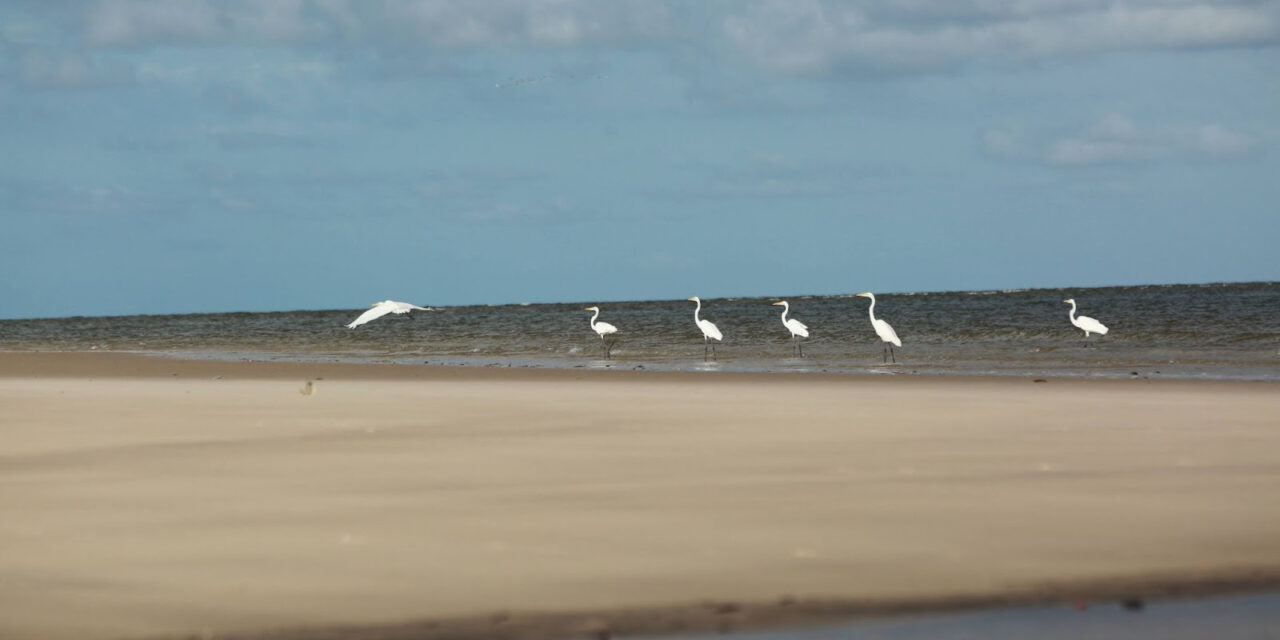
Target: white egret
pixel 602 329
pixel 380 309
pixel 886 332
pixel 1085 323
pixel 796 327
pixel 709 330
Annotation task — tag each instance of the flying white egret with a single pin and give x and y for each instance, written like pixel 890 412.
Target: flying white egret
pixel 602 329
pixel 709 330
pixel 796 327
pixel 886 332
pixel 1085 323
pixel 380 309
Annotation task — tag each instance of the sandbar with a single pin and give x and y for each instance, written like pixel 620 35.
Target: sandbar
pixel 150 497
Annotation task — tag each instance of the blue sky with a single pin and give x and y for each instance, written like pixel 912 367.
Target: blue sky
pixel 171 157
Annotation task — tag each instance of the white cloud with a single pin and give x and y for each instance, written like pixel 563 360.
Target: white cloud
pixel 1218 141
pixel 21 33
pixel 1004 143
pixel 231 201
pixel 273 20
pixel 261 133
pixel 51 69
pixel 429 24
pixel 559 210
pixel 1113 126
pixel 489 195
pixel 772 176
pixel 133 22
pixel 799 36
pixel 1077 151
pixel 30 196
pixel 782 36
pixel 114 23
pixel 821 36
pixel 1115 138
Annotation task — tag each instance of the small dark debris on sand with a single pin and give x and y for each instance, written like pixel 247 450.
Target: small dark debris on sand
pixel 785 611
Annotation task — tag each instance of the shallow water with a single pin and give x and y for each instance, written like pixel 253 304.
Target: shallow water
pixel 1246 617
pixel 1219 331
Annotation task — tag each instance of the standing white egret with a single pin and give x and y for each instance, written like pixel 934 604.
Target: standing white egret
pixel 1085 323
pixel 602 329
pixel 709 330
pixel 886 332
pixel 796 327
pixel 383 308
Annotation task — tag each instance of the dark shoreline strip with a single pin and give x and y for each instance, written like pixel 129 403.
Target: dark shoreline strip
pixel 130 365
pixel 784 612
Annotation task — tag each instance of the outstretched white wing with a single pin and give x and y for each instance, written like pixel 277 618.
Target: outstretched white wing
pixel 383 308
pixel 377 311
pixel 404 307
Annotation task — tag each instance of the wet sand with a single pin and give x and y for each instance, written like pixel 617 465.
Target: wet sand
pixel 153 497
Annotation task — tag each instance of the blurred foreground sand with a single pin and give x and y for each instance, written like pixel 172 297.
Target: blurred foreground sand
pixel 143 496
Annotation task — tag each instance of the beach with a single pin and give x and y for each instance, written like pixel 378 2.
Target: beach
pixel 161 497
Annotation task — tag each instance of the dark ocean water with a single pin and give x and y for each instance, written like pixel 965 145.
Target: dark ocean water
pixel 1220 331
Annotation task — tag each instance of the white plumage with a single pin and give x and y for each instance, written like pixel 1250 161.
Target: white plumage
pixel 380 309
pixel 796 327
pixel 1085 323
pixel 883 329
pixel 709 329
pixel 602 329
